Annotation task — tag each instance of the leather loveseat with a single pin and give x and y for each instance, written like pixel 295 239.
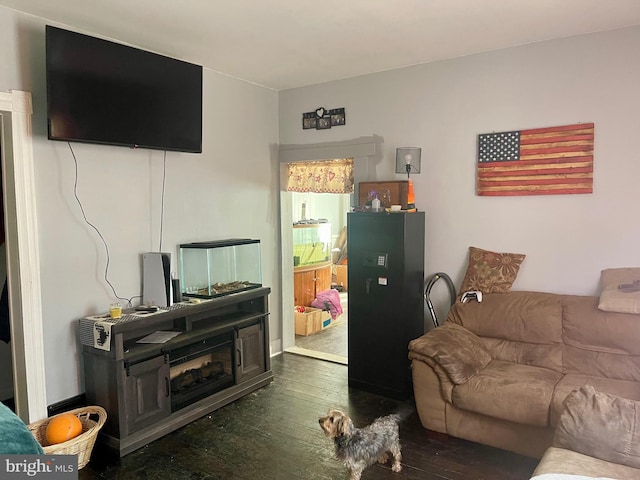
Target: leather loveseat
pixel 498 372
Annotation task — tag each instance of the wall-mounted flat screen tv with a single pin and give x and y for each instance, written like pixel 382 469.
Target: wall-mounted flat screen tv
pixel 108 93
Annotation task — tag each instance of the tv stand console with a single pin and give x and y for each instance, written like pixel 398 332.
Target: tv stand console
pixel 220 353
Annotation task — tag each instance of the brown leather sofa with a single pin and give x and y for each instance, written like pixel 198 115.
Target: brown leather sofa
pixel 498 372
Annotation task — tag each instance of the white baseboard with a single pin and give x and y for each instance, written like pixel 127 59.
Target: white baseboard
pixel 275 348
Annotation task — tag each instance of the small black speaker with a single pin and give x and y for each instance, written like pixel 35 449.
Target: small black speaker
pixel 176 291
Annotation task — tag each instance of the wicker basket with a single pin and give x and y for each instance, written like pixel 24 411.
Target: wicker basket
pixel 82 445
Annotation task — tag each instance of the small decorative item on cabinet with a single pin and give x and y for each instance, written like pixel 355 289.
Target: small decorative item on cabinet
pixel 375 204
pixel 389 193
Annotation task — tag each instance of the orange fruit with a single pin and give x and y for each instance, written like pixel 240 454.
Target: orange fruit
pixel 63 427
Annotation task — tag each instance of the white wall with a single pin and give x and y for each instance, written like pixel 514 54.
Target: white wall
pixel 230 190
pixel 442 107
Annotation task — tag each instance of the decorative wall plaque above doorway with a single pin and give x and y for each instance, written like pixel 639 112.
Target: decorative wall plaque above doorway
pixel 321 118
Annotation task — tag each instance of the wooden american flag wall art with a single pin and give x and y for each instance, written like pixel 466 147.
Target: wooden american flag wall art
pixel 541 161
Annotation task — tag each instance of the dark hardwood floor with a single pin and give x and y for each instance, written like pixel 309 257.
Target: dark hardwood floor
pixel 273 433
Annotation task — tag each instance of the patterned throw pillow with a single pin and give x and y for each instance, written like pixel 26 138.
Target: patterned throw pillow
pixel 491 272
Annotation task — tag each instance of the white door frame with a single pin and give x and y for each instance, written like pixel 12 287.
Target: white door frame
pixel 23 256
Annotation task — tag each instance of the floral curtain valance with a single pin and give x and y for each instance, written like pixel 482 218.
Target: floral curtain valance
pixel 328 176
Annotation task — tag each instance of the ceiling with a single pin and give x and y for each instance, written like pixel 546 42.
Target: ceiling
pixel 283 44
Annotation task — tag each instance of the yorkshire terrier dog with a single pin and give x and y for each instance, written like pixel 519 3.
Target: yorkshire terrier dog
pixel 360 447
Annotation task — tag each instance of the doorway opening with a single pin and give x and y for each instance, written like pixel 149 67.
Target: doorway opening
pixel 6 375
pixel 320 255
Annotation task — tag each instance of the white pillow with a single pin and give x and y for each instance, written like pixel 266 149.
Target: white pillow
pixel 620 290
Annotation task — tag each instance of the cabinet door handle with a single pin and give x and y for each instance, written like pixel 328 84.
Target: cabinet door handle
pixel 239 350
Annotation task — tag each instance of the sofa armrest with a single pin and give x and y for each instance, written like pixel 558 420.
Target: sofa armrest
pixel 457 350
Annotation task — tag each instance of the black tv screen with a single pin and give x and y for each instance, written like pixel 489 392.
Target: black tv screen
pixel 108 93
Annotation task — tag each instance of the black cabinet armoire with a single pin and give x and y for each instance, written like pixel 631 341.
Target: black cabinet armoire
pixel 386 303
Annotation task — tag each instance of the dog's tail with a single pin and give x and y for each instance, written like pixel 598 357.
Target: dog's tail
pixel 404 412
